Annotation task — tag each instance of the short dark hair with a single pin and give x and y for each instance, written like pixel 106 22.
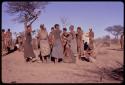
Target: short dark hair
pixel 3 30
pixel 56 25
pixel 8 29
pixel 79 28
pixel 64 29
pixel 42 25
pixel 52 28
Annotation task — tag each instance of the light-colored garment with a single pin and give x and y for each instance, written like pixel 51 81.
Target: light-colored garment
pixel 73 43
pixel 17 45
pixel 57 50
pixel 86 37
pixel 35 43
pixel 44 44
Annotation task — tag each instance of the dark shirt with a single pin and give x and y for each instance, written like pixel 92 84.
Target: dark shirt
pixel 86 46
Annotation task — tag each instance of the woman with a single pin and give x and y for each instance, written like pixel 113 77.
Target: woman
pixel 68 54
pixel 73 42
pixel 79 41
pixel 91 38
pixel 64 37
pixel 57 51
pixel 44 44
pixel 51 39
pixel 28 50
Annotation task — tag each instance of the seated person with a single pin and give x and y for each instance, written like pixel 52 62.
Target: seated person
pixel 9 50
pixel 88 54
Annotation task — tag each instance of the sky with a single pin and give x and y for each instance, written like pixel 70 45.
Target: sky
pixel 98 15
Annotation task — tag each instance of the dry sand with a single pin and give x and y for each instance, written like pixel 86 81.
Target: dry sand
pixel 15 69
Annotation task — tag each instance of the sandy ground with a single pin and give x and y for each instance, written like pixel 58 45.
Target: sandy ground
pixel 15 69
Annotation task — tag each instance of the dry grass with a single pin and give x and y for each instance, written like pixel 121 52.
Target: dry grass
pixel 16 70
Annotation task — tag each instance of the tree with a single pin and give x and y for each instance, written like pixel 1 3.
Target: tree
pixel 26 12
pixel 115 30
pixel 65 22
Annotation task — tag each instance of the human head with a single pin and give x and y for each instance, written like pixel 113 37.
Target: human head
pixel 9 30
pixel 79 29
pixel 42 27
pixel 90 29
pixel 52 28
pixel 3 30
pixel 86 43
pixel 64 29
pixel 56 26
pixel 29 26
pixel 71 28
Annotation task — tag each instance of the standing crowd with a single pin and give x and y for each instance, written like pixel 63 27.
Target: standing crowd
pixel 57 46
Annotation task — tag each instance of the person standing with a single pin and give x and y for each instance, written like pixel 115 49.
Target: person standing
pixel 3 39
pixel 64 37
pixel 68 54
pixel 34 43
pixel 73 42
pixel 44 43
pixel 91 38
pixel 122 40
pixel 51 40
pixel 8 38
pixel 28 50
pixel 57 51
pixel 79 42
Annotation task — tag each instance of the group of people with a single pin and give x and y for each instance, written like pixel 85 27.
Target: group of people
pixel 57 45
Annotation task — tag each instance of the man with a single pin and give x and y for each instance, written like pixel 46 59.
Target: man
pixel 91 38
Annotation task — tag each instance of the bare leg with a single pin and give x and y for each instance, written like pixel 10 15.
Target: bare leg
pixel 56 60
